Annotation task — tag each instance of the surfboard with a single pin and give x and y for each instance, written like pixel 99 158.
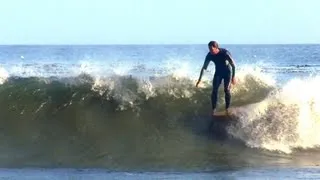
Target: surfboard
pixel 223 115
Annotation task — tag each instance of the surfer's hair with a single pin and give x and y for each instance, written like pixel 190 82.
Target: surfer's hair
pixel 213 44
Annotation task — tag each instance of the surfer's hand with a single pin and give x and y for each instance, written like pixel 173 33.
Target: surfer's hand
pixel 197 83
pixel 233 81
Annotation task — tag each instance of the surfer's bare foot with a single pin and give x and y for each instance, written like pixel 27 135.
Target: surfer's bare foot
pixel 227 111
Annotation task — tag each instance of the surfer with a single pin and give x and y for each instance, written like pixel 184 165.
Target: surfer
pixel 224 69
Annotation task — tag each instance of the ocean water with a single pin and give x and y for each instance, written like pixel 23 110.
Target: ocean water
pixel 133 112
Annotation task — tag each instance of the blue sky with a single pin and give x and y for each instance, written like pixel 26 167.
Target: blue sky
pixel 159 21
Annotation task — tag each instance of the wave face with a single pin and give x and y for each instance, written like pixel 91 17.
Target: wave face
pixel 87 121
pixel 83 120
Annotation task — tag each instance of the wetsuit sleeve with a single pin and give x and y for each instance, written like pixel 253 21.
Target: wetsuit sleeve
pixel 206 62
pixel 204 67
pixel 231 62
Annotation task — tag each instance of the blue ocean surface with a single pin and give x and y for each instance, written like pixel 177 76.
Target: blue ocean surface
pixel 266 173
pixel 133 112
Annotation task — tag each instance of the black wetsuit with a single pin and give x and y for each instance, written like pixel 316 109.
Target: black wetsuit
pixel 224 69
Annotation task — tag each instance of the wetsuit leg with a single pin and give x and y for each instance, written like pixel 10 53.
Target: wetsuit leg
pixel 215 86
pixel 226 82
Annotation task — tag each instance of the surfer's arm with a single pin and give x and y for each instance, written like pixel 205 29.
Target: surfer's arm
pixel 204 67
pixel 201 73
pixel 231 62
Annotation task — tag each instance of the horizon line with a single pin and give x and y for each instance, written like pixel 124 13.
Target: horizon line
pixel 143 44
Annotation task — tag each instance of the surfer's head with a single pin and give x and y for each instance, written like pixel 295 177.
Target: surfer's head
pixel 213 47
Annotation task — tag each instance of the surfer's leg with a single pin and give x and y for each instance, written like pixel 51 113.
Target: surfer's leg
pixel 215 86
pixel 226 82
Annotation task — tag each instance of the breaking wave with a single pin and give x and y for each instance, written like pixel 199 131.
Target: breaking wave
pixel 90 120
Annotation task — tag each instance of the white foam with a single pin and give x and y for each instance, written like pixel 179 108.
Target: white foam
pixel 178 68
pixel 288 119
pixel 3 75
